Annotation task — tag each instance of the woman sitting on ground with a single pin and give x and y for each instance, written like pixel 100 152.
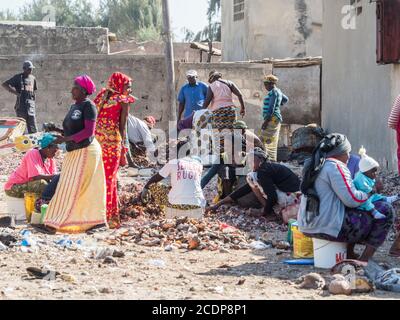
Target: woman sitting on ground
pixel 36 170
pixel 327 210
pixel 269 181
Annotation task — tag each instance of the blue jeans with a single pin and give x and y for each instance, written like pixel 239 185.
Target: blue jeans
pixel 50 189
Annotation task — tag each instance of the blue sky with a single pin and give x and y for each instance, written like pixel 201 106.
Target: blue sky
pixel 191 14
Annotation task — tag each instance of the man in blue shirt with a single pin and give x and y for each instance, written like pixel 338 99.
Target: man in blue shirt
pixel 192 95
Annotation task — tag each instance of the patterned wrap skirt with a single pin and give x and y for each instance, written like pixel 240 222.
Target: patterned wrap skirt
pixel 270 138
pixel 79 202
pixel 222 120
pixel 359 227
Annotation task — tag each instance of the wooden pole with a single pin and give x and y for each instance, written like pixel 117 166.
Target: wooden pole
pixel 169 60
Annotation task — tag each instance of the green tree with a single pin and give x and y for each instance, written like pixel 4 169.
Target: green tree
pixel 7 15
pixel 140 19
pixel 211 32
pixel 76 13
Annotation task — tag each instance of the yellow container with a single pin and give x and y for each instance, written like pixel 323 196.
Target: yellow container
pixel 302 245
pixel 30 199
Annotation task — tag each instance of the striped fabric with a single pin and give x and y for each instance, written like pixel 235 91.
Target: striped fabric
pixel 272 104
pixel 395 114
pixel 80 199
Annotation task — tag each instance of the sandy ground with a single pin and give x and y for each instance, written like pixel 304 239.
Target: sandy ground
pixel 183 275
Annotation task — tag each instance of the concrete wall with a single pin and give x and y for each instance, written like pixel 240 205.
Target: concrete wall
pixel 55 74
pixel 182 51
pixel 272 28
pixel 303 87
pixel 247 76
pixel 357 94
pixel 31 39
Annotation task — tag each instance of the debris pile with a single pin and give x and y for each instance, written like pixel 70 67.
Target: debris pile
pixel 184 233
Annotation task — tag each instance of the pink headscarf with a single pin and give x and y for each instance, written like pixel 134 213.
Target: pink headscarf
pixel 86 83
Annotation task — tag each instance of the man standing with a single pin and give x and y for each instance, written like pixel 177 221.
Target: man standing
pixel 192 95
pixel 23 85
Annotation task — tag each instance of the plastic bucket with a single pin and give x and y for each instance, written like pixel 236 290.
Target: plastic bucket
pixel 302 245
pixel 30 199
pixel 16 208
pixel 327 253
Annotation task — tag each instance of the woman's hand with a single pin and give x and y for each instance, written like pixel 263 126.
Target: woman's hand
pixel 215 207
pixel 145 195
pixel 60 140
pixel 242 112
pixel 265 124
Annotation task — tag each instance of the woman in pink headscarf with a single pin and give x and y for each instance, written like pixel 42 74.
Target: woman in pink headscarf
pixel 79 203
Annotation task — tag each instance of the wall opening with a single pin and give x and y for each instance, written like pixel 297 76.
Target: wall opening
pixel 238 10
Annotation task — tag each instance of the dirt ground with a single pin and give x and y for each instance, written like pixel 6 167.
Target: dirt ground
pixel 153 273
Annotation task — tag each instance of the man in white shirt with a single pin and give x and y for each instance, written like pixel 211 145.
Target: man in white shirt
pixel 139 133
pixel 185 176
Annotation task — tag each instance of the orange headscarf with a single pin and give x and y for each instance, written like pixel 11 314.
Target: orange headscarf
pixel 115 86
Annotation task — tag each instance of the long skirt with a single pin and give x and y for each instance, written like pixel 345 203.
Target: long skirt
pixel 80 199
pixel 222 122
pixel 111 159
pixel 359 227
pixel 270 138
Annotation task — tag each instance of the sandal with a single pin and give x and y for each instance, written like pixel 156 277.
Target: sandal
pixel 44 229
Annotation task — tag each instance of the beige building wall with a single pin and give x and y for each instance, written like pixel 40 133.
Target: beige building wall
pixel 357 93
pixel 272 28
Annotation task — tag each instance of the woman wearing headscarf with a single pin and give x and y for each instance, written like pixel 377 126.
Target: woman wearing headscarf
pixel 272 184
pixel 38 167
pixel 328 207
pixel 113 110
pixel 79 202
pixel 272 116
pixel 219 101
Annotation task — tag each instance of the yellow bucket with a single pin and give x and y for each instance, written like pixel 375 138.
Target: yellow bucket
pixel 30 199
pixel 302 245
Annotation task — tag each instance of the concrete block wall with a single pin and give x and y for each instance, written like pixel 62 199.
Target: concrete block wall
pixel 33 39
pixel 247 76
pixel 303 87
pixel 55 74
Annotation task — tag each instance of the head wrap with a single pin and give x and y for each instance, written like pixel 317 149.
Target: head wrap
pixel 86 83
pixel 335 144
pixel 366 163
pixel 271 79
pixel 214 75
pixel 151 120
pixel 240 125
pixel 115 86
pixel 259 153
pixel 46 140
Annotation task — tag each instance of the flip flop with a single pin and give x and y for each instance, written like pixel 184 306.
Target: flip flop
pixel 40 274
pixel 43 229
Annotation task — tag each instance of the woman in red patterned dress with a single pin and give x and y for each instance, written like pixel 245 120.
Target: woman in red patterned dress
pixel 113 109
